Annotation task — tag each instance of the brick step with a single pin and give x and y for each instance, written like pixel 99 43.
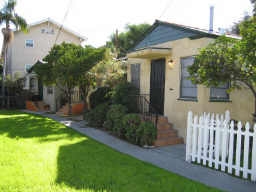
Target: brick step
pixel 168 141
pixel 162 119
pixel 30 105
pixel 164 126
pixel 41 105
pixel 164 134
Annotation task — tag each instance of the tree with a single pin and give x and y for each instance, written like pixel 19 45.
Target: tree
pixel 229 60
pixel 109 72
pixel 66 67
pixel 124 41
pixel 7 17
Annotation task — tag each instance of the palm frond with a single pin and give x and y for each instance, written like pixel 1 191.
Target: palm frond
pixel 11 4
pixel 20 23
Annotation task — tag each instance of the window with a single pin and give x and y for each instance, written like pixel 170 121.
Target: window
pixel 188 90
pixel 33 84
pixel 49 90
pixel 135 75
pixel 29 43
pixel 27 67
pixel 220 92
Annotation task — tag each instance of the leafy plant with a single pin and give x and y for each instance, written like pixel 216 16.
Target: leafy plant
pixel 97 116
pixel 123 94
pixel 147 133
pixel 67 66
pixel 131 123
pixel 101 95
pixel 114 119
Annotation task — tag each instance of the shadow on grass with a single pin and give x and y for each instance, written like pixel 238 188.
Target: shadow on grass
pixel 90 165
pixel 32 126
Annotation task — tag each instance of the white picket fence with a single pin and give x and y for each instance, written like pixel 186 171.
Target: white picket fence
pixel 215 141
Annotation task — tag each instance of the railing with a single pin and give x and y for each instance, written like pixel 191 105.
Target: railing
pixel 219 143
pixel 12 102
pixel 76 96
pixel 145 108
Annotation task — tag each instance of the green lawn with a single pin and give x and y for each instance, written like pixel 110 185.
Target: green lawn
pixel 41 155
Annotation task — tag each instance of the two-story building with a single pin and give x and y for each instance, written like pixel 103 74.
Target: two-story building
pixel 27 48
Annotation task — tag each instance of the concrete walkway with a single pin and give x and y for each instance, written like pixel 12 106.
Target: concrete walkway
pixel 171 158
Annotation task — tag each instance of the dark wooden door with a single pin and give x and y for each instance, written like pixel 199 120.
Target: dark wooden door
pixel 157 84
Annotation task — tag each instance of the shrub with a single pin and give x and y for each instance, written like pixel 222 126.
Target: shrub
pixel 122 95
pixel 114 119
pixel 97 116
pixel 147 133
pixel 101 95
pixel 131 123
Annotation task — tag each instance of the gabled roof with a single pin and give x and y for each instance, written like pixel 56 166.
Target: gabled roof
pixel 161 32
pixel 83 38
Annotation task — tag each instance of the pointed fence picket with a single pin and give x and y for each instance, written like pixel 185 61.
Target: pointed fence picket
pixel 215 141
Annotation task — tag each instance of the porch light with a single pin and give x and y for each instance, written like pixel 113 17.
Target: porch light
pixel 171 64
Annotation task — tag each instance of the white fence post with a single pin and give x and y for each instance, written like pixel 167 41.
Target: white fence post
pixel 199 142
pixel 189 136
pixel 231 147
pixel 205 140
pixel 246 149
pixel 211 140
pixel 217 143
pixel 224 145
pixel 238 148
pixel 194 141
pixel 253 175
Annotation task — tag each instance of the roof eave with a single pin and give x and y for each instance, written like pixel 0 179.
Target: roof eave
pixel 81 37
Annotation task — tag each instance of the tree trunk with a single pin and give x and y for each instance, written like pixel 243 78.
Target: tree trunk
pixel 84 92
pixel 252 88
pixel 7 38
pixel 254 114
pixel 69 103
pixel 4 75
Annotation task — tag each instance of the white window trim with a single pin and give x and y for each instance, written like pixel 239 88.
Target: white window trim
pixel 29 40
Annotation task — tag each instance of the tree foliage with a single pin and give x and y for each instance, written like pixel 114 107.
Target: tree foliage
pixel 128 39
pixel 67 66
pixel 228 59
pixel 109 72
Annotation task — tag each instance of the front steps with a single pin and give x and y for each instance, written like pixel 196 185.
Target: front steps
pixel 166 135
pixel 77 109
pixel 36 106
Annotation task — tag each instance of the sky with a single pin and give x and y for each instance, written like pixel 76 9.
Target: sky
pixel 98 19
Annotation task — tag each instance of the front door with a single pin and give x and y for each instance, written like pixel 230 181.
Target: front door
pixel 157 84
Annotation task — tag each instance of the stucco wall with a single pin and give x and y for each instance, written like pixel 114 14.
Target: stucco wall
pixel 49 98
pixel 43 42
pixel 241 105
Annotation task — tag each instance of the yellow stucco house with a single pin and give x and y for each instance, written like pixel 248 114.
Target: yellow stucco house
pixel 157 66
